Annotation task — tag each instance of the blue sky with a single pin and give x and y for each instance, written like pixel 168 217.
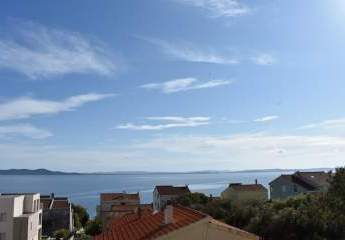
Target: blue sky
pixel 172 85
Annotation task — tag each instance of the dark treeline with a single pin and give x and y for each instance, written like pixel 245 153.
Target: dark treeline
pixel 310 216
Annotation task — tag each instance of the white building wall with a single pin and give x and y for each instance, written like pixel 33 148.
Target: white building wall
pixel 14 207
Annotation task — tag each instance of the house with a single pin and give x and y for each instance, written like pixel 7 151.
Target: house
pixel 113 205
pixel 174 222
pixel 57 214
pixel 20 216
pixel 239 192
pixel 289 185
pixel 163 194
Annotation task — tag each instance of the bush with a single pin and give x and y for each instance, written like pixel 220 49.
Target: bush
pixel 62 233
pixel 94 227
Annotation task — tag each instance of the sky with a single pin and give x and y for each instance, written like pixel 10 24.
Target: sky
pixel 172 85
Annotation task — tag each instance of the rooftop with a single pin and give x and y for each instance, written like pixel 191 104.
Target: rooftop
pixel 171 190
pixel 309 180
pixel 149 226
pixel 248 187
pixel 119 196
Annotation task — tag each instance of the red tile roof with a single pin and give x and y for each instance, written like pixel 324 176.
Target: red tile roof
pixel 61 204
pixel 171 190
pixel 248 187
pixel 119 196
pixel 149 226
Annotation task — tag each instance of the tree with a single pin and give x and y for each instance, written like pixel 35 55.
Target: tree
pixel 81 217
pixel 94 227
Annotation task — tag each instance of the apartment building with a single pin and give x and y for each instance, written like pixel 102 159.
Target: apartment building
pixel 20 216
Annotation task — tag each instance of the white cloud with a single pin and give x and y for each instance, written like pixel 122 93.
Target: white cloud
pixel 189 53
pixel 327 124
pixel 219 8
pixel 40 52
pixel 264 59
pixel 184 84
pixel 253 151
pixel 266 118
pixel 167 122
pixel 184 153
pixel 25 130
pixel 26 107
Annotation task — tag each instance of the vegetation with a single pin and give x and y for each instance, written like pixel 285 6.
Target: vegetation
pixel 81 217
pixel 312 216
pixel 94 227
pixel 62 234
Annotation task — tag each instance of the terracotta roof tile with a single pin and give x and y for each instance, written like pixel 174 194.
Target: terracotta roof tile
pixel 119 196
pixel 149 226
pixel 61 204
pixel 171 190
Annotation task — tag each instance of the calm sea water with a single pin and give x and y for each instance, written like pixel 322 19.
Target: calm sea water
pixel 85 189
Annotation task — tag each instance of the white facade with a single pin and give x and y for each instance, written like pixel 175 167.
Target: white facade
pixel 20 217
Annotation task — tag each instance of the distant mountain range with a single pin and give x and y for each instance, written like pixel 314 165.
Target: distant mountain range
pixel 33 172
pixel 48 172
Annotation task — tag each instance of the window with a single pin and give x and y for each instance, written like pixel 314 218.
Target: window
pixel 2 236
pixel 295 188
pixel 3 217
pixel 283 188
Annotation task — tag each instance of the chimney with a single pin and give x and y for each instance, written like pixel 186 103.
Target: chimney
pixel 168 214
pixel 256 181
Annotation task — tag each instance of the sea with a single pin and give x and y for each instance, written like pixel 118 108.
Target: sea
pixel 85 189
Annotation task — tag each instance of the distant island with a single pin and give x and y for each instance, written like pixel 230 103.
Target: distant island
pixel 34 172
pixel 43 171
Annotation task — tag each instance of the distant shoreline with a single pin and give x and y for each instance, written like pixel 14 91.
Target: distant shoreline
pixel 45 172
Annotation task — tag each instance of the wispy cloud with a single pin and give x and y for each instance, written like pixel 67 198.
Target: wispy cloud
pixel 41 52
pixel 219 8
pixel 327 124
pixel 26 107
pixel 264 59
pixel 266 118
pixel 185 84
pixel 25 130
pixel 185 153
pixel 167 122
pixel 190 53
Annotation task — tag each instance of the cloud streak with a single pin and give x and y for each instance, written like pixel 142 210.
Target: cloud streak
pixel 219 8
pixel 26 107
pixel 40 52
pixel 167 122
pixel 184 84
pixel 327 124
pixel 189 53
pixel 24 130
pixel 266 119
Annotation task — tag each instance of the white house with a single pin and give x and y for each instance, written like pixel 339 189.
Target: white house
pixel 163 194
pixel 20 216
